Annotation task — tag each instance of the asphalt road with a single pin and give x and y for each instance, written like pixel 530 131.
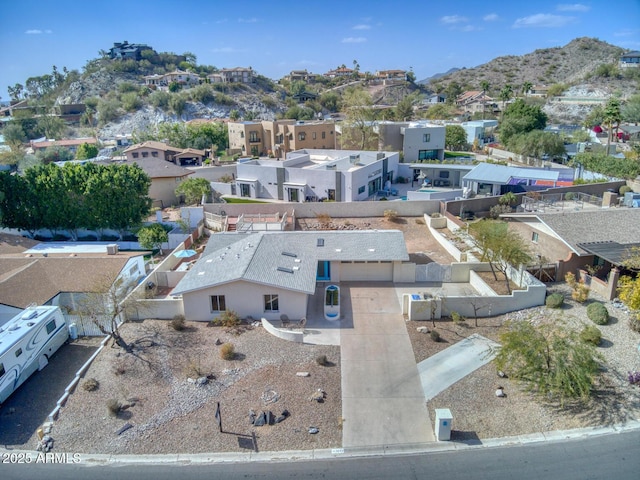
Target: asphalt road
pixel 614 456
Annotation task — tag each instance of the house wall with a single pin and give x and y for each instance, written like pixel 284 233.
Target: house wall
pixel 240 136
pixel 390 135
pixel 310 130
pixel 146 152
pixel 414 141
pixel 162 190
pixel 246 299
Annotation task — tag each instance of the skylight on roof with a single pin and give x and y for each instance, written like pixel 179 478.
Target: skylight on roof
pixel 285 269
pixel 289 254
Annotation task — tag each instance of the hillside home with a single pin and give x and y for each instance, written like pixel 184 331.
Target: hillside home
pixel 299 76
pixel 162 82
pixel 435 99
pixel 270 274
pixel 630 60
pixel 162 151
pixel 474 101
pixel 60 273
pixel 310 175
pixel 232 75
pixel 126 50
pixel 538 91
pixel 340 73
pixel 392 74
pixel 71 144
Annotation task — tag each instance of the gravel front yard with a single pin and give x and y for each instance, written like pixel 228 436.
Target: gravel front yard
pixel 169 413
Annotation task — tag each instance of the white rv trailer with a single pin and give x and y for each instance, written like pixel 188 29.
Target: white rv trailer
pixel 27 341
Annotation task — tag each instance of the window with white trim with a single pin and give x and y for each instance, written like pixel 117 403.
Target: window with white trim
pixel 218 303
pixel 271 303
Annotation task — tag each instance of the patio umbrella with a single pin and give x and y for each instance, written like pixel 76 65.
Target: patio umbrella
pixel 185 253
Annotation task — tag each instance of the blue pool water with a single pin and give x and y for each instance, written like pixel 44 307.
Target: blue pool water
pixel 426 190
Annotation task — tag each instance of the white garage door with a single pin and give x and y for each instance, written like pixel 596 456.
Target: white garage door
pixel 372 272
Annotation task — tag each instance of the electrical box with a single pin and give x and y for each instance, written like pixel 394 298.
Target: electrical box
pixel 443 424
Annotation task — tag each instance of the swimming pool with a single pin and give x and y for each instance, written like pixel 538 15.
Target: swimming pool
pixel 426 190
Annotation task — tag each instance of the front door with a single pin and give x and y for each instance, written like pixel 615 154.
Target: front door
pixel 245 190
pixel 293 195
pixel 324 271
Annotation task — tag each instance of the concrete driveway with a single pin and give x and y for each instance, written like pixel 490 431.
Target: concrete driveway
pixel 382 398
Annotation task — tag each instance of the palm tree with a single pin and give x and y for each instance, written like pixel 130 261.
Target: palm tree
pixel 526 87
pixel 612 115
pixel 505 95
pixel 484 85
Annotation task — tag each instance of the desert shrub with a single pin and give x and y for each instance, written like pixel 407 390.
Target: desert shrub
pixel 391 215
pixel 435 215
pixel 598 313
pixel 195 370
pixel 228 318
pixel 323 218
pixel 580 291
pixel 634 322
pixel 90 384
pixel 113 407
pixel 624 189
pixel 569 196
pixel 322 360
pixel 227 351
pixel 435 336
pixel 497 210
pixel 591 334
pixel 555 300
pixel 119 366
pixel 420 221
pixel 177 323
pixel 456 317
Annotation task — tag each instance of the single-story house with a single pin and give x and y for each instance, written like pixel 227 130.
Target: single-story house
pixel 59 273
pixel 574 239
pixel 269 274
pixel 70 144
pixel 492 179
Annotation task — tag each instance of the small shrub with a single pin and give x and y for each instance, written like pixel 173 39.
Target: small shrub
pixel 569 196
pixel 227 351
pixel 435 215
pixel 322 360
pixel 194 370
pixel 324 219
pixel 634 322
pixel 420 221
pixel 598 313
pixel 119 366
pixel 456 317
pixel 624 189
pixel 391 215
pixel 435 336
pixel 177 323
pixel 591 334
pixel 497 210
pixel 228 318
pixel 90 384
pixel 555 300
pixel 580 291
pixel 113 407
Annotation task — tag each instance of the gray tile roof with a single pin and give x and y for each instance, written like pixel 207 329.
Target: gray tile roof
pixel 620 225
pixel 287 259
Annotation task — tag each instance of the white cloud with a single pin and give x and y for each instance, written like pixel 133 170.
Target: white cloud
pixel 492 17
pixel 625 33
pixel 222 20
pixel 362 26
pixel 543 20
pixel 354 40
pixel 248 20
pixel 35 31
pixel 452 19
pixel 572 7
pixel 227 50
pixel 467 28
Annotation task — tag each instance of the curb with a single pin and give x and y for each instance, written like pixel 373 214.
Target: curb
pixel 373 451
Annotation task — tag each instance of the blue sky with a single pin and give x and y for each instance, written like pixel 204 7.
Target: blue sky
pixel 275 37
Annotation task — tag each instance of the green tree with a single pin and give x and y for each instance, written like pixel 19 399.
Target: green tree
pixel 107 111
pixel 152 237
pixel 52 126
pixel 631 109
pixel 520 117
pixel 194 189
pixel 177 103
pixel 234 115
pixel 455 137
pixel 54 154
pixel 441 111
pixel 358 131
pixel 453 91
pixel 501 247
pixel 86 151
pixel 404 108
pixel 526 88
pixel 607 165
pixel 484 85
pixel 505 95
pixel 14 134
pixel 612 117
pixel 537 144
pixel 549 360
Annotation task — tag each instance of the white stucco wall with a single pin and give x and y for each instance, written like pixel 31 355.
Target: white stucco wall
pixel 414 141
pixel 246 299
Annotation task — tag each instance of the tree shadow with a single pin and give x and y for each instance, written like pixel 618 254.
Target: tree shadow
pixel 604 343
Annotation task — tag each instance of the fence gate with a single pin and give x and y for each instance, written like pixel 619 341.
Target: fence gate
pixel 433 272
pixel 544 273
pixel 87 327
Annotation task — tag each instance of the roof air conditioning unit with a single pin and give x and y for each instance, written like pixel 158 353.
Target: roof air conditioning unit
pixel 112 249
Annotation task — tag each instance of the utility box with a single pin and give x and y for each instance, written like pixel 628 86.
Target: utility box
pixel 443 424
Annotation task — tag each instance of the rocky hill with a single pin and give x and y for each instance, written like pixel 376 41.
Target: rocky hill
pixel 572 64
